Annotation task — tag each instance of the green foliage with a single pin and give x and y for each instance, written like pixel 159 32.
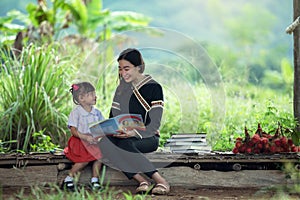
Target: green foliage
pixel 55 193
pixel 50 18
pixel 9 28
pixel 251 106
pixel 250 32
pixel 42 142
pixel 86 18
pixel 129 196
pixel 3 145
pixel 33 96
pixel 246 107
pixel 280 80
pixel 89 19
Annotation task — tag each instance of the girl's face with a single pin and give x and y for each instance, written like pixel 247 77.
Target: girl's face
pixel 88 99
pixel 128 71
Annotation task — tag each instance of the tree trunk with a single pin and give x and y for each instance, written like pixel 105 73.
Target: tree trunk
pixel 296 6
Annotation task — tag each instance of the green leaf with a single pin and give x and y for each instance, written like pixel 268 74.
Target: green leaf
pixel 94 7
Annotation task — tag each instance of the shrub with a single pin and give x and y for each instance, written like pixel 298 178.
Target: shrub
pixel 33 92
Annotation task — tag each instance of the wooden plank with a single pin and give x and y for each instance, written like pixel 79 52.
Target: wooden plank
pixel 161 158
pixel 191 178
pixel 28 176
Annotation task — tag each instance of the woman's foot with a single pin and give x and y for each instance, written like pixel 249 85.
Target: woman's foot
pixel 143 188
pixel 161 189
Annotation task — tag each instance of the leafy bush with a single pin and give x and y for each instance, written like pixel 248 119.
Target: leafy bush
pixel 246 107
pixel 251 106
pixel 33 92
pixel 42 143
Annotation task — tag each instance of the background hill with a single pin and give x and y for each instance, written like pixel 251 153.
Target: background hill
pixel 207 20
pixel 210 20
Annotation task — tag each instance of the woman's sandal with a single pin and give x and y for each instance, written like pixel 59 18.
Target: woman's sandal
pixel 161 189
pixel 143 188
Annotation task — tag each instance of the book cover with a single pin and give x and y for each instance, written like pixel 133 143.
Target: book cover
pixel 116 124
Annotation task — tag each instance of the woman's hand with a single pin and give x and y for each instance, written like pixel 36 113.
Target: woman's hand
pixel 126 134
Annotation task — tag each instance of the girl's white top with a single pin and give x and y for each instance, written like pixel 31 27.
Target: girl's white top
pixel 81 119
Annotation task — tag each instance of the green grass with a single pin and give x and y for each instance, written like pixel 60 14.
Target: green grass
pixel 53 192
pixel 33 96
pixel 247 106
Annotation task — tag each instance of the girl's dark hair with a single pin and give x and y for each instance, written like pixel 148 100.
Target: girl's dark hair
pixel 134 57
pixel 80 89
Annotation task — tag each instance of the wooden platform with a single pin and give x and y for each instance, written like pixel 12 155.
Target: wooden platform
pixel 216 168
pixel 166 159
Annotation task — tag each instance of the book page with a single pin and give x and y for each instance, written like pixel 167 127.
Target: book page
pixel 115 125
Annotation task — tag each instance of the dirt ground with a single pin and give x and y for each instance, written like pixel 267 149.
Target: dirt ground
pixel 181 193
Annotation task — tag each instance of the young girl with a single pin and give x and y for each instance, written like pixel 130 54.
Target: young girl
pixel 82 148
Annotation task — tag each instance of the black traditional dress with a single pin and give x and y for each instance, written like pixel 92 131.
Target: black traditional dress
pixel 126 154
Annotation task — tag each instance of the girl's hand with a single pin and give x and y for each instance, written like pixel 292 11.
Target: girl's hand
pixel 90 139
pixel 86 137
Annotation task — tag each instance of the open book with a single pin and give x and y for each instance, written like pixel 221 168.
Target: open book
pixel 116 124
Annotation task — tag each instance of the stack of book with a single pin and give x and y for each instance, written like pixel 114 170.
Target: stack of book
pixel 188 143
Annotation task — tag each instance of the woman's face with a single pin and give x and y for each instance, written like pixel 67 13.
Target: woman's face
pixel 128 71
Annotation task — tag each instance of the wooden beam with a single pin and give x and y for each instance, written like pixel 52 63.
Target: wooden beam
pixel 290 29
pixel 28 176
pixel 159 159
pixel 296 31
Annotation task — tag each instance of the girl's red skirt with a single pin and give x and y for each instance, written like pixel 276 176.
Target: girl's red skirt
pixel 81 151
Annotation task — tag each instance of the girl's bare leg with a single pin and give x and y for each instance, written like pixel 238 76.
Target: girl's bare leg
pixel 96 168
pixel 77 167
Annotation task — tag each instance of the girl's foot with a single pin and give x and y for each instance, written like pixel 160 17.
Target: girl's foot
pixel 96 186
pixel 68 185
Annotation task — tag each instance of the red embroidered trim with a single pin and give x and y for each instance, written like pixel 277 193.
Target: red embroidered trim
pixel 141 100
pixel 143 82
pixel 157 103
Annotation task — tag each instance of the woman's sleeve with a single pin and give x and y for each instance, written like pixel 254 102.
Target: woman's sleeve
pixel 115 107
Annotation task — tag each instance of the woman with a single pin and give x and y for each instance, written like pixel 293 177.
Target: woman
pixel 136 94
